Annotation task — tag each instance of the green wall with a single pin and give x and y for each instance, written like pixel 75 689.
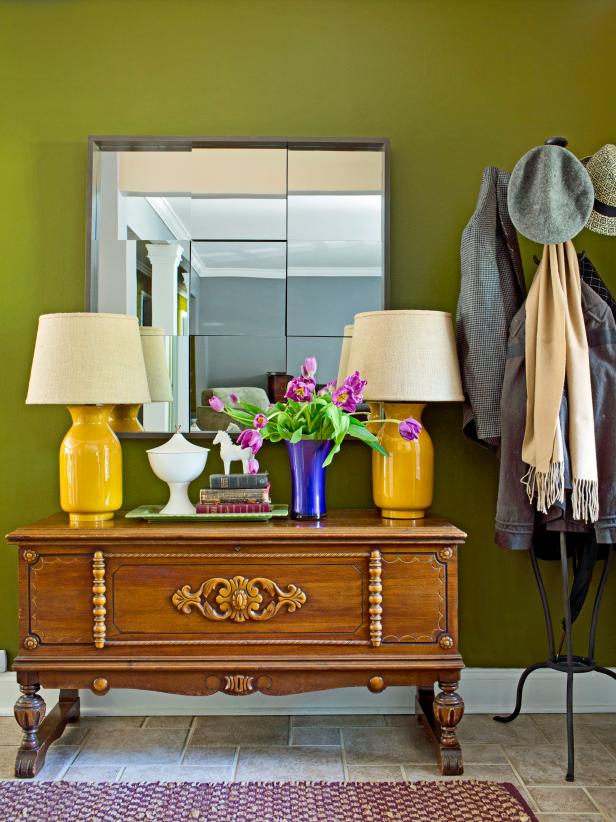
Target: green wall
pixel 455 85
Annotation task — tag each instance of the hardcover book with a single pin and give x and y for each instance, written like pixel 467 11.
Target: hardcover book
pixel 239 480
pixel 217 495
pixel 233 508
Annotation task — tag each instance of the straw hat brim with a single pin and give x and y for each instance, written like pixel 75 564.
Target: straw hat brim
pixel 599 223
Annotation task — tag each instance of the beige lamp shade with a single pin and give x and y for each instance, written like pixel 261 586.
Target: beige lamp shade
pixel 343 366
pixel 406 356
pixel 88 359
pixel 156 363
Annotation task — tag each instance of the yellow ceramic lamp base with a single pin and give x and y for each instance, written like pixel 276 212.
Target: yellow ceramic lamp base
pixel 403 483
pixel 90 466
pixel 124 418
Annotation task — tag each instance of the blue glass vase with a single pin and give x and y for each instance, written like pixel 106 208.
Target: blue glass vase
pixel 308 478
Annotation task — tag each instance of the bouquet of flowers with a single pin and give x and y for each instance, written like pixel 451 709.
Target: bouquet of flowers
pixel 307 414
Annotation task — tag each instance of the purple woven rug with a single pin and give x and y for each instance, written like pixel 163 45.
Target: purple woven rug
pixel 262 802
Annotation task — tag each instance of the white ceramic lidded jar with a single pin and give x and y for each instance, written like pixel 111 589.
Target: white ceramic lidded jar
pixel 178 462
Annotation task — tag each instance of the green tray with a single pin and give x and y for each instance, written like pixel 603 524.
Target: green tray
pixel 152 514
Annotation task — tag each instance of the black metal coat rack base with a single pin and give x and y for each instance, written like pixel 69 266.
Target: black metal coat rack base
pixel 567 663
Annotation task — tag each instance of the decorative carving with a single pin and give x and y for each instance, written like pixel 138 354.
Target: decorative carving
pixel 445 642
pixel 376 598
pixel 445 553
pixel 448 710
pixel 239 599
pixel 29 713
pixel 99 600
pixel 376 684
pixel 31 642
pixel 30 556
pixel 100 685
pixel 239 684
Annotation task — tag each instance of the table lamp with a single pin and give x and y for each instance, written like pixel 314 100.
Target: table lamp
pixel 409 359
pixel 125 417
pixel 89 362
pixel 343 365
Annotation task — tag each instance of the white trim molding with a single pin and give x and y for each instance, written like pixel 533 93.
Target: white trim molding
pixel 484 690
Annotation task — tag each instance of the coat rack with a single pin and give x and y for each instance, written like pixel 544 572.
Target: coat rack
pixel 568 663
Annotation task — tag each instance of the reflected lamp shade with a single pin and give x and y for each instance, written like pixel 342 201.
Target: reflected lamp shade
pixel 87 359
pixel 156 364
pixel 89 362
pixel 408 358
pixel 345 351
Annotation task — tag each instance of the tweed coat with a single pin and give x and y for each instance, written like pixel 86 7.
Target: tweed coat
pixel 491 292
pixel 518 524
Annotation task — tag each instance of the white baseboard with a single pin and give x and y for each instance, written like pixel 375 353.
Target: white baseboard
pixel 485 690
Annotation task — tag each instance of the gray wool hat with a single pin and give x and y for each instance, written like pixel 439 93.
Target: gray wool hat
pixel 550 195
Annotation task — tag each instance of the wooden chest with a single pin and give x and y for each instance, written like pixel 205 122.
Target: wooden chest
pixel 280 607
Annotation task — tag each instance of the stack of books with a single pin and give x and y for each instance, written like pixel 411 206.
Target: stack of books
pixel 235 494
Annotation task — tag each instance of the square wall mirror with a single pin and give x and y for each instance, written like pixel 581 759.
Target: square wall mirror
pixel 244 255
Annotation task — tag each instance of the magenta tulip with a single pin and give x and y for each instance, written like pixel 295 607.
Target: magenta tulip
pixel 410 429
pixel 309 368
pixel 259 421
pixel 216 403
pixel 300 390
pixel 343 398
pixel 233 398
pixel 253 466
pixel 250 439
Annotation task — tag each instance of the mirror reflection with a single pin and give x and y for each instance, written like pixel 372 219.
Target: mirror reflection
pixel 246 259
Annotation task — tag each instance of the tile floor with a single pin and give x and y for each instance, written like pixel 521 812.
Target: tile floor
pixel 530 753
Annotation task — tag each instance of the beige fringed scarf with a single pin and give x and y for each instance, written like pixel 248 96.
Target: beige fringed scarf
pixel 556 347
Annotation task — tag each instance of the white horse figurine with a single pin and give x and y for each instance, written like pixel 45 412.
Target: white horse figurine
pixel 232 453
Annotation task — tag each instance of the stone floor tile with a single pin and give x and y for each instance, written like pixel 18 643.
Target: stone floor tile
pixel 7 761
pixel 489 773
pixel 244 730
pixel 401 720
pixel 339 720
pixel 111 721
pixel 10 732
pixel 175 773
pixel 554 726
pixel 482 728
pixel 72 735
pixel 546 765
pixel 384 773
pixel 92 773
pixel 488 753
pixel 137 746
pixel 596 719
pixel 58 759
pixel 388 746
pixel 315 736
pixel 605 800
pixel 289 763
pixel 168 722
pixel 562 800
pixel 211 757
pixel 605 735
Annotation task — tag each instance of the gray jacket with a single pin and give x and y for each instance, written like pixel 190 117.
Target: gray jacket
pixel 517 521
pixel 491 292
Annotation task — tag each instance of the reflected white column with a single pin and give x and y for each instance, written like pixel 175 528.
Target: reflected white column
pixel 165 258
pixel 117 257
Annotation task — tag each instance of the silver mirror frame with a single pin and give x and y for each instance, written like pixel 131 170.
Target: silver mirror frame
pixel 134 143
